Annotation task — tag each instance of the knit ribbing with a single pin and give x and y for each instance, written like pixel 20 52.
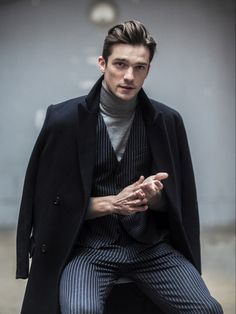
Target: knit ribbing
pixel 118 116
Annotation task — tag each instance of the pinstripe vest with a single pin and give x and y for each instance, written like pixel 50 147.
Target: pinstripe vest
pixel 110 177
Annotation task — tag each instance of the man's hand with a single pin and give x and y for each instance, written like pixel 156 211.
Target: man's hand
pixel 133 198
pixel 130 200
pixel 152 187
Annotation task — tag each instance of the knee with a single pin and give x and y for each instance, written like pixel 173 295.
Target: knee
pixel 71 308
pixel 72 303
pixel 213 307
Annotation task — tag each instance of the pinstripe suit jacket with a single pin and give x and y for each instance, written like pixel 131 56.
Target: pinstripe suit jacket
pixel 58 184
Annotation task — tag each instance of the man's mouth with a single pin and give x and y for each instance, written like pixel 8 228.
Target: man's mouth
pixel 127 87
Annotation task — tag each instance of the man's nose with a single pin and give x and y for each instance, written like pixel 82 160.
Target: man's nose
pixel 129 74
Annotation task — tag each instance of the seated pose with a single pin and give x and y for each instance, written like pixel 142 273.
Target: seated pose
pixel 110 192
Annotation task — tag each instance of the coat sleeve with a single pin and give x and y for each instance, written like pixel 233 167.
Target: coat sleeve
pixel 190 215
pixel 25 219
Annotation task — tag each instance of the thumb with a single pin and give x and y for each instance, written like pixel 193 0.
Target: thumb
pixel 161 176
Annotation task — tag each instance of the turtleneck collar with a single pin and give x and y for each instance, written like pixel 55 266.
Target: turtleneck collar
pixel 113 106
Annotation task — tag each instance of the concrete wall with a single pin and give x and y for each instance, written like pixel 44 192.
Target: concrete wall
pixel 48 53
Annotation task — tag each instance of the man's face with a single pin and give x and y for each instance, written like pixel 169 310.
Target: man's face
pixel 126 69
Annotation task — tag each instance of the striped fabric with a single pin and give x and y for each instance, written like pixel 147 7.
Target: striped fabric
pixel 110 177
pixel 161 272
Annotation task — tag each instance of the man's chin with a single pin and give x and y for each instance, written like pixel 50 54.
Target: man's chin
pixel 125 97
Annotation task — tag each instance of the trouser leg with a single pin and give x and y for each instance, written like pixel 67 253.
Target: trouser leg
pixel 85 283
pixel 172 282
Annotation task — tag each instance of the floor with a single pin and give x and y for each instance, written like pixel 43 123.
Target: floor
pixel 218 263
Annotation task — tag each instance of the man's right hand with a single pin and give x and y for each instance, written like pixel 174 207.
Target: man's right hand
pixel 130 200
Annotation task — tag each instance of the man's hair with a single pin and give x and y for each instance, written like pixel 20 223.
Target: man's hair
pixel 130 32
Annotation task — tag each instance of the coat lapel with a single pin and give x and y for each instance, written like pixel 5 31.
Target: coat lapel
pixel 86 135
pixel 160 146
pixel 163 157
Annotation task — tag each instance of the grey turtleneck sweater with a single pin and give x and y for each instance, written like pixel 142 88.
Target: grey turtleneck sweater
pixel 118 116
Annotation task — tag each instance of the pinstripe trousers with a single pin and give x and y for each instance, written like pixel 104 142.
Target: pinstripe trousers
pixel 160 271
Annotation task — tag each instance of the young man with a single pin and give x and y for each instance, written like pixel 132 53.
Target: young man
pixel 94 207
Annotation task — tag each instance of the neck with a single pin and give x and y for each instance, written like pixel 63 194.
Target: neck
pixel 113 106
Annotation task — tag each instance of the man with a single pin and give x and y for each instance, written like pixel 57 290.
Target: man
pixel 94 207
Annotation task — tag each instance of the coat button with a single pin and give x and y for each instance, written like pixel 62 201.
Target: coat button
pixel 44 248
pixel 57 200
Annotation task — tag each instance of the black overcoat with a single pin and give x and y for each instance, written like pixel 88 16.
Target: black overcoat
pixel 58 184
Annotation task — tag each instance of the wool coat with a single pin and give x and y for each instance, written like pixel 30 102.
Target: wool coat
pixel 58 184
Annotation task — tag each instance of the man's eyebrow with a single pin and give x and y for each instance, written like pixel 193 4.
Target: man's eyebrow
pixel 120 59
pixel 125 60
pixel 141 63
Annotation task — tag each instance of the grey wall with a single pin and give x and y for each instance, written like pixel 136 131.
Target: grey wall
pixel 48 51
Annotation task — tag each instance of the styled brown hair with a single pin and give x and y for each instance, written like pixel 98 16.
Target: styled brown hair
pixel 130 32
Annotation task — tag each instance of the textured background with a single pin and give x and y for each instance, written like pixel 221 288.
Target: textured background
pixel 48 54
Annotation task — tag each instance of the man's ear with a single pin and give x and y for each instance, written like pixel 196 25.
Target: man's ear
pixel 102 64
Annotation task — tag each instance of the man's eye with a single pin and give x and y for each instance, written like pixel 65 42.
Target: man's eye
pixel 141 67
pixel 120 65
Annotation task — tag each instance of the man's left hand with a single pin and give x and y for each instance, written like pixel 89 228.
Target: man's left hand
pixel 152 186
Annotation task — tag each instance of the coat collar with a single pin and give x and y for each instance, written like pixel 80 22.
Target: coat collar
pixel 91 102
pixel 150 114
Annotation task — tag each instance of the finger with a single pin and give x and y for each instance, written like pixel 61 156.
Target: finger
pixel 161 176
pixel 139 181
pixel 138 209
pixel 149 179
pixel 139 194
pixel 147 189
pixel 137 202
pixel 136 194
pixel 151 187
pixel 129 210
pixel 158 184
